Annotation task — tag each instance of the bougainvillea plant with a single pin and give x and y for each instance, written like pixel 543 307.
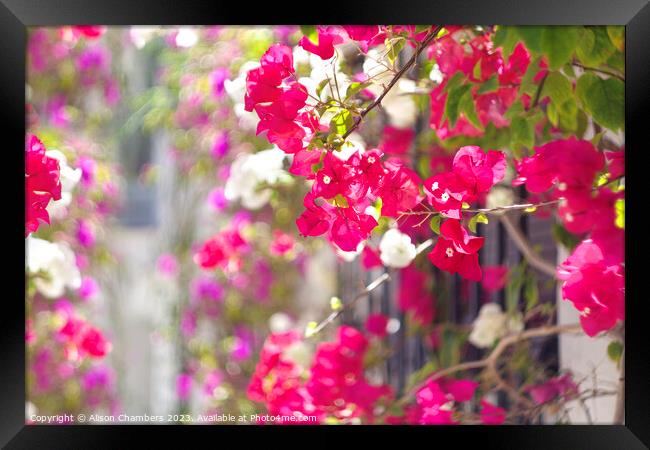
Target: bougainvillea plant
pixel 392 147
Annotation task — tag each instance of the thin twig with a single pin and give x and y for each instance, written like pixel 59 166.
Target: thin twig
pixel 611 73
pixel 534 259
pixel 490 362
pixel 495 210
pixel 364 293
pixel 619 411
pixel 410 63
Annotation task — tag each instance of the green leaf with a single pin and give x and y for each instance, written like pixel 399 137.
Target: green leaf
pixel 506 37
pixel 569 115
pixel 393 47
pixel 355 87
pixel 491 85
pixel 468 108
pixel 476 72
pixel 558 88
pixel 604 99
pixel 528 84
pixel 594 46
pixel 616 34
pixel 321 86
pixel 453 103
pixel 454 81
pixel 477 218
pixel 532 37
pixel 523 132
pixel 311 32
pixel 531 292
pixel 559 44
pixel 435 223
pixel 615 351
pixel 341 122
pixel 515 110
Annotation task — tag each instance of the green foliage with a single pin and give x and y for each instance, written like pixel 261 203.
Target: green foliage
pixel 616 34
pixel 559 43
pixel 615 351
pixel 311 32
pixel 506 37
pixel 393 48
pixel 491 85
pixel 434 224
pixel 603 98
pixel 476 219
pixel 523 132
pixel 454 103
pixel 594 46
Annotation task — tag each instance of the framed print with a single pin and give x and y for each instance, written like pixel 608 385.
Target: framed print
pixel 403 219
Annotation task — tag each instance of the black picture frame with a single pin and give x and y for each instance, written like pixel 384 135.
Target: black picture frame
pixel 17 15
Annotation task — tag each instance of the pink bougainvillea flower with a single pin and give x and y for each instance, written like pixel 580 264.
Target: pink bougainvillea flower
pixel 494 278
pixel 456 251
pixel 324 47
pixel 206 288
pixel 88 31
pixel 220 146
pixel 212 381
pixel 218 78
pixel 491 414
pixel 217 199
pixel 334 178
pixel 279 56
pixel 242 347
pixel 363 34
pixel 616 163
pixel 445 192
pixel 569 163
pixel 596 289
pixel 88 289
pixel 396 141
pixel 400 189
pixel 351 228
pixel 183 386
pixel 167 265
pixel 316 219
pixel 282 243
pixel 222 250
pixel 461 390
pixel 435 401
pixel 85 233
pixel 337 383
pixel 94 343
pixel 376 324
pixel 415 297
pixel 370 258
pixel 303 162
pixel 561 386
pixel 42 184
pixel 479 170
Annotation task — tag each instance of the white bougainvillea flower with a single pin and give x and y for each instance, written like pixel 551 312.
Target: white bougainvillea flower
pixel 69 179
pixel 492 324
pixel 54 265
pixel 249 171
pixel 236 90
pixel 396 249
